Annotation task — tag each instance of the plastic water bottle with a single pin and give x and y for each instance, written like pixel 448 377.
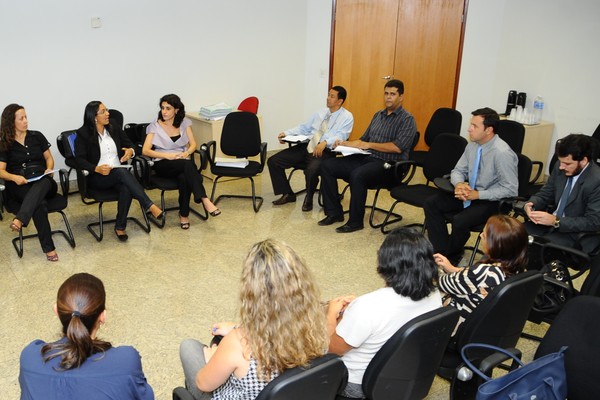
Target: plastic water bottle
pixel 538 109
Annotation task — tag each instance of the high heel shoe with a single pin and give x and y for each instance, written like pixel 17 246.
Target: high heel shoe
pixel 121 236
pixel 52 258
pixel 215 213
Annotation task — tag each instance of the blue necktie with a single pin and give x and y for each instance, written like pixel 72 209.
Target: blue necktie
pixel 564 197
pixel 473 175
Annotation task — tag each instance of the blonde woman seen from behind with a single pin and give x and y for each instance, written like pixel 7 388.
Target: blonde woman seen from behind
pixel 282 325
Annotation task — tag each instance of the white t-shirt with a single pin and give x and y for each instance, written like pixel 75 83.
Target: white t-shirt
pixel 371 319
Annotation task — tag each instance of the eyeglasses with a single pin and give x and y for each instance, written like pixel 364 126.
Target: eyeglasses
pixel 102 112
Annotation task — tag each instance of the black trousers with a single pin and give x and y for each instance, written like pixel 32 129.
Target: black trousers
pixel 295 156
pixel 189 181
pixel 362 172
pixel 121 180
pixel 463 219
pixel 33 206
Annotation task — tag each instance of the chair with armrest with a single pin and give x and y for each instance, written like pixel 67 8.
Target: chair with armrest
pixel 249 104
pixel 443 120
pixel 404 368
pixel 442 156
pixel 513 133
pixel 322 379
pixel 69 161
pixel 240 138
pixel 56 204
pixel 577 326
pixel 90 195
pixel 498 320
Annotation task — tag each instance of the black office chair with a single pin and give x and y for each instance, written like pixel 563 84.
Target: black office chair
pixel 577 326
pixel 404 368
pixel 443 120
pixel 442 156
pixel 240 138
pixel 57 204
pixel 94 196
pixel 69 161
pixel 498 320
pixel 136 133
pixel 321 380
pixel 116 118
pixel 513 133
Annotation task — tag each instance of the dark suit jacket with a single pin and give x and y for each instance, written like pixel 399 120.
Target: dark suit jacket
pixel 87 148
pixel 582 213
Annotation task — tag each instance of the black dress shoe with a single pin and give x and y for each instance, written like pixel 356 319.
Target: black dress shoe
pixel 286 198
pixel 122 237
pixel 331 220
pixel 308 203
pixel 348 228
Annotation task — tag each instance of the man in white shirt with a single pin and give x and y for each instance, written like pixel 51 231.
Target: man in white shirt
pixel 323 129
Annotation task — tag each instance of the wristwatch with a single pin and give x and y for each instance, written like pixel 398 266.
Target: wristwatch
pixel 556 223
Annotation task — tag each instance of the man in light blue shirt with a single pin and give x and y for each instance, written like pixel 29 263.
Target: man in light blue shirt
pixel 322 130
pixel 485 174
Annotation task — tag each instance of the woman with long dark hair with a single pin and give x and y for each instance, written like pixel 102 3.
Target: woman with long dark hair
pixel 101 148
pixel 79 365
pixel 504 243
pixel 170 142
pixel 25 154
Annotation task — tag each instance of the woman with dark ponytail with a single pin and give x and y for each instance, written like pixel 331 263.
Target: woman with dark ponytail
pixel 79 365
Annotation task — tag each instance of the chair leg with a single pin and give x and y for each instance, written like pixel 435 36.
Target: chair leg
pixel 18 243
pixel 475 250
pixel 374 208
pixel 100 235
pixel 68 235
pixel 256 200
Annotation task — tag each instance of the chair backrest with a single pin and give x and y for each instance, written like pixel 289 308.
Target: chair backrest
pixel 578 327
pixel 443 155
pixel 444 119
pixel 404 368
pixel 249 104
pixel 322 379
pixel 115 118
pixel 591 284
pixel 499 319
pixel 513 133
pixel 240 136
pixel 524 174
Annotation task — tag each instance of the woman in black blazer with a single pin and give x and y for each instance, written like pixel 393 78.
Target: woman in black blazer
pixel 99 148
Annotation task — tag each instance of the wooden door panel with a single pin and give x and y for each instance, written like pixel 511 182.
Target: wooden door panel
pixel 426 57
pixel 364 42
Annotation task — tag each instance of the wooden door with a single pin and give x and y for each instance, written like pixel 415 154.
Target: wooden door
pixel 426 49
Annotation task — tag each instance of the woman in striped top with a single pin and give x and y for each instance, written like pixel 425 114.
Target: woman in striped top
pixel 504 244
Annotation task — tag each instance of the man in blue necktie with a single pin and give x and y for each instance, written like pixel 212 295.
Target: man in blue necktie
pixel 485 174
pixel 569 203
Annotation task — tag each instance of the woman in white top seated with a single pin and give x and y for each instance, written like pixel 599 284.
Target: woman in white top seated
pixel 170 142
pixel 359 327
pixel 282 326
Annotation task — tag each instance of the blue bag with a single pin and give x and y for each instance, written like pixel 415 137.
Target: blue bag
pixel 544 378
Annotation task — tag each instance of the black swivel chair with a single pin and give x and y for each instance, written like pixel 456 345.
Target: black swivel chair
pixel 69 161
pixel 513 133
pixel 498 320
pixel 322 380
pixel 116 118
pixel 577 326
pixel 57 204
pixel 240 138
pixel 443 120
pixel 442 156
pixel 93 196
pixel 404 368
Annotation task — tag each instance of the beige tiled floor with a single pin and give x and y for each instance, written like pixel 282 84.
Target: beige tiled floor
pixel 172 284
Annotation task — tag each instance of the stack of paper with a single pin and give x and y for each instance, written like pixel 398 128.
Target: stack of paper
pixel 215 111
pixel 231 162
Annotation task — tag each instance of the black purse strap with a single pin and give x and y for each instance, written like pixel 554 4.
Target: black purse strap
pixel 489 347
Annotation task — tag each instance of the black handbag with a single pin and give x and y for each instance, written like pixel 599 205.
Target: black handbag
pixel 556 288
pixel 544 378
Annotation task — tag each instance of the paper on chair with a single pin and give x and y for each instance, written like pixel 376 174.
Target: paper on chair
pixel 122 166
pixel 296 138
pixel 347 150
pixel 37 178
pixel 231 162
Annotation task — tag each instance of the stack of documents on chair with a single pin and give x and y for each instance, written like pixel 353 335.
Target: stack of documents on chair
pixel 215 111
pixel 231 162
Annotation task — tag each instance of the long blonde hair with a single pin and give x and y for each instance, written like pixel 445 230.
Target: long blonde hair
pixel 281 314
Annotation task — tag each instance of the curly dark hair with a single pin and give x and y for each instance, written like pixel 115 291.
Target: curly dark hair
pixel 174 101
pixel 7 126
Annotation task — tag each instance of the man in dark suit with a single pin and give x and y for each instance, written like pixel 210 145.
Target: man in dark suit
pixel 569 203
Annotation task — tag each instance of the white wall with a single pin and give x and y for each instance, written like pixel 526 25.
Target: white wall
pixel 53 62
pixel 546 47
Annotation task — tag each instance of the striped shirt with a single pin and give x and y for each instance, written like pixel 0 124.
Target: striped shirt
pixel 464 287
pixel 399 127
